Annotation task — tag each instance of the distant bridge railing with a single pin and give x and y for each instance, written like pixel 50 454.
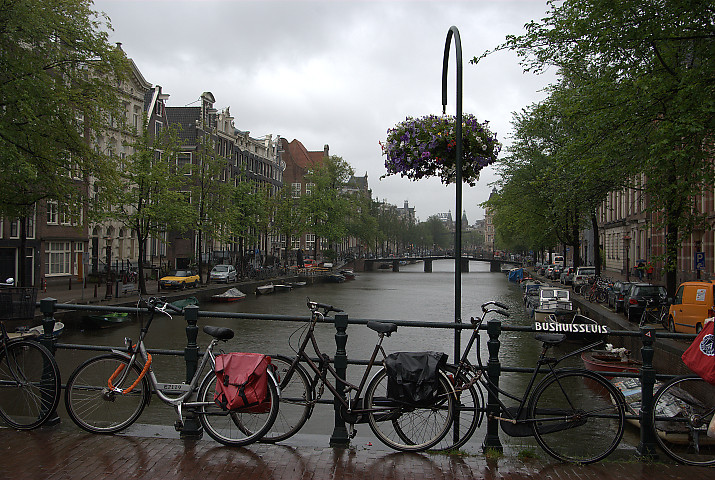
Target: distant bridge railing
pixel 394 263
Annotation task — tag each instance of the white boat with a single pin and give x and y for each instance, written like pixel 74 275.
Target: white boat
pixel 230 295
pixel 554 301
pixel 283 287
pixel 265 289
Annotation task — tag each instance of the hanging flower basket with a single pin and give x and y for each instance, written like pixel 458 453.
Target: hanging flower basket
pixel 427 146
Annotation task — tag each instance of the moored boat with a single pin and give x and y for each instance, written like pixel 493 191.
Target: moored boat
pixel 265 289
pixel 348 274
pixel 185 302
pixel 335 278
pixel 107 320
pixel 616 361
pixel 230 295
pixel 283 287
pixel 554 301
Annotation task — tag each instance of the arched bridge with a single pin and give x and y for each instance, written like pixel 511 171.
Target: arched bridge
pixel 393 263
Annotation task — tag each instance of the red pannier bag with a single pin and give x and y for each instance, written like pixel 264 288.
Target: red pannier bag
pixel 242 381
pixel 700 355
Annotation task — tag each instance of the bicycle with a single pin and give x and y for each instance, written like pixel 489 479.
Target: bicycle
pixel 598 292
pixel 398 424
pixel 574 414
pixel 108 393
pixel 654 312
pixel 30 383
pixel 682 410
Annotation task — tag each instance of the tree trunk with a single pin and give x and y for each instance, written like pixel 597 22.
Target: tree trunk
pixel 21 266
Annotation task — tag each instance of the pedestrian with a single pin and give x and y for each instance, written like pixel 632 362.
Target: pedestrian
pixel 649 271
pixel 640 270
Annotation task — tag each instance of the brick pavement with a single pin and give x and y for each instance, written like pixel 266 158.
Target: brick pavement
pixel 64 452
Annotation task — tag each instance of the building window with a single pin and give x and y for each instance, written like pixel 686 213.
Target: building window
pixel 295 190
pixel 58 258
pixel 310 241
pixel 183 161
pixel 52 212
pixel 309 188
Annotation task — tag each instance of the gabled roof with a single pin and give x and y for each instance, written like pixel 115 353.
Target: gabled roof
pixel 187 118
pixel 300 155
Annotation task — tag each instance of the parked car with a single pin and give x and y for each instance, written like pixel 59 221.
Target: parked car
pixel 223 273
pixel 566 277
pixel 179 279
pixel 549 269
pixel 617 294
pixel 583 276
pixel 556 272
pixel 693 303
pixel 638 297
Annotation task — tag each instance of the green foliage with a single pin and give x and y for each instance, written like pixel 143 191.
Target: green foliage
pixel 58 71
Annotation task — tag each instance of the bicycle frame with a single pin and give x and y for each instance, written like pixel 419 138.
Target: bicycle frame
pixel 321 371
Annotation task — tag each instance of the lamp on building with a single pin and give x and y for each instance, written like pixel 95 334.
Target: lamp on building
pixel 108 242
pixel 627 245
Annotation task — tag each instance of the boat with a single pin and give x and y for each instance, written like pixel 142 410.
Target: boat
pixel 554 301
pixel 299 284
pixel 348 274
pixel 516 275
pixel 265 289
pixel 610 360
pixel 185 302
pixel 334 278
pixel 40 330
pixel 107 320
pixel 230 295
pixel 283 287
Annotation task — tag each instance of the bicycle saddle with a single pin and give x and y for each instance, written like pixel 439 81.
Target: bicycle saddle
pixel 382 327
pixel 219 333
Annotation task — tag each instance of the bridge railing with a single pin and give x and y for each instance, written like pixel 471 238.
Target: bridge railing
pixel 494 368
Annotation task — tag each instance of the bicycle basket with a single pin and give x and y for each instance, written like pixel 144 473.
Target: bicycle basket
pixel 17 303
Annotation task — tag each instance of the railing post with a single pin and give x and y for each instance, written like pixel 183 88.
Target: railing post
pixel 192 427
pixel 491 440
pixel 646 447
pixel 48 306
pixel 340 437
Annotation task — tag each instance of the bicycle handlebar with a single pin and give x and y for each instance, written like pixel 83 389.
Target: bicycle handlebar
pixel 494 302
pixel 313 306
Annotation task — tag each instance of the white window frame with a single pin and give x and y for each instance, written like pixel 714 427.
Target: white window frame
pixel 58 258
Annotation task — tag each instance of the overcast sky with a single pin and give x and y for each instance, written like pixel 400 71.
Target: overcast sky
pixel 336 72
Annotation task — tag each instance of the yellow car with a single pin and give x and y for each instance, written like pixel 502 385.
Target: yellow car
pixel 179 279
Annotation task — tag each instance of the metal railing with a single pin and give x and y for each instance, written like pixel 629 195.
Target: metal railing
pixel 494 368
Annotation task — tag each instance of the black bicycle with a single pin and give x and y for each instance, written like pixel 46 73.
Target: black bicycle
pixel 575 415
pixel 30 383
pixel 399 424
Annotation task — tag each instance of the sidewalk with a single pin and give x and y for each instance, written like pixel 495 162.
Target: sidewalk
pixel 66 453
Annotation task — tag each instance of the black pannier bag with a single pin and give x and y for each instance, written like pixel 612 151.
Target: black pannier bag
pixel 412 377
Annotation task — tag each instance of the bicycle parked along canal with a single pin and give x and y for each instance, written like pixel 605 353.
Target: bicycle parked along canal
pixel 29 376
pixel 574 414
pixel 399 424
pixel 108 393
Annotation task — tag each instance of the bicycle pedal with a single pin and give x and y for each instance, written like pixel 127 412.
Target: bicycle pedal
pixel 178 425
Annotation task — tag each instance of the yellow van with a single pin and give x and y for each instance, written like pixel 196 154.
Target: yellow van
pixel 693 303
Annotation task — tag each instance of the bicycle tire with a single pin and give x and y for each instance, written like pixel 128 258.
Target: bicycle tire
pixel 93 406
pixel 577 416
pixel 238 427
pixel 469 411
pixel 296 400
pixel 30 384
pixel 682 411
pixel 601 296
pixel 408 428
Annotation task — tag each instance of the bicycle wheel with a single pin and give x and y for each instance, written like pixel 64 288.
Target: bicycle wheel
pixel 468 411
pixel 682 410
pixel 296 404
pixel 29 384
pixel 578 416
pixel 93 406
pixel 235 427
pixel 601 296
pixel 407 427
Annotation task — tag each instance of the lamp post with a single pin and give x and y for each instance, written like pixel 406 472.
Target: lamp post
pixel 108 294
pixel 627 245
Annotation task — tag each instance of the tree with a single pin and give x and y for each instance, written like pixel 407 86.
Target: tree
pixel 147 196
pixel 57 86
pixel 209 194
pixel 288 218
pixel 327 206
pixel 248 207
pixel 649 75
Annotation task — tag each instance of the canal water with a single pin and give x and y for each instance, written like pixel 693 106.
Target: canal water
pixel 410 294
